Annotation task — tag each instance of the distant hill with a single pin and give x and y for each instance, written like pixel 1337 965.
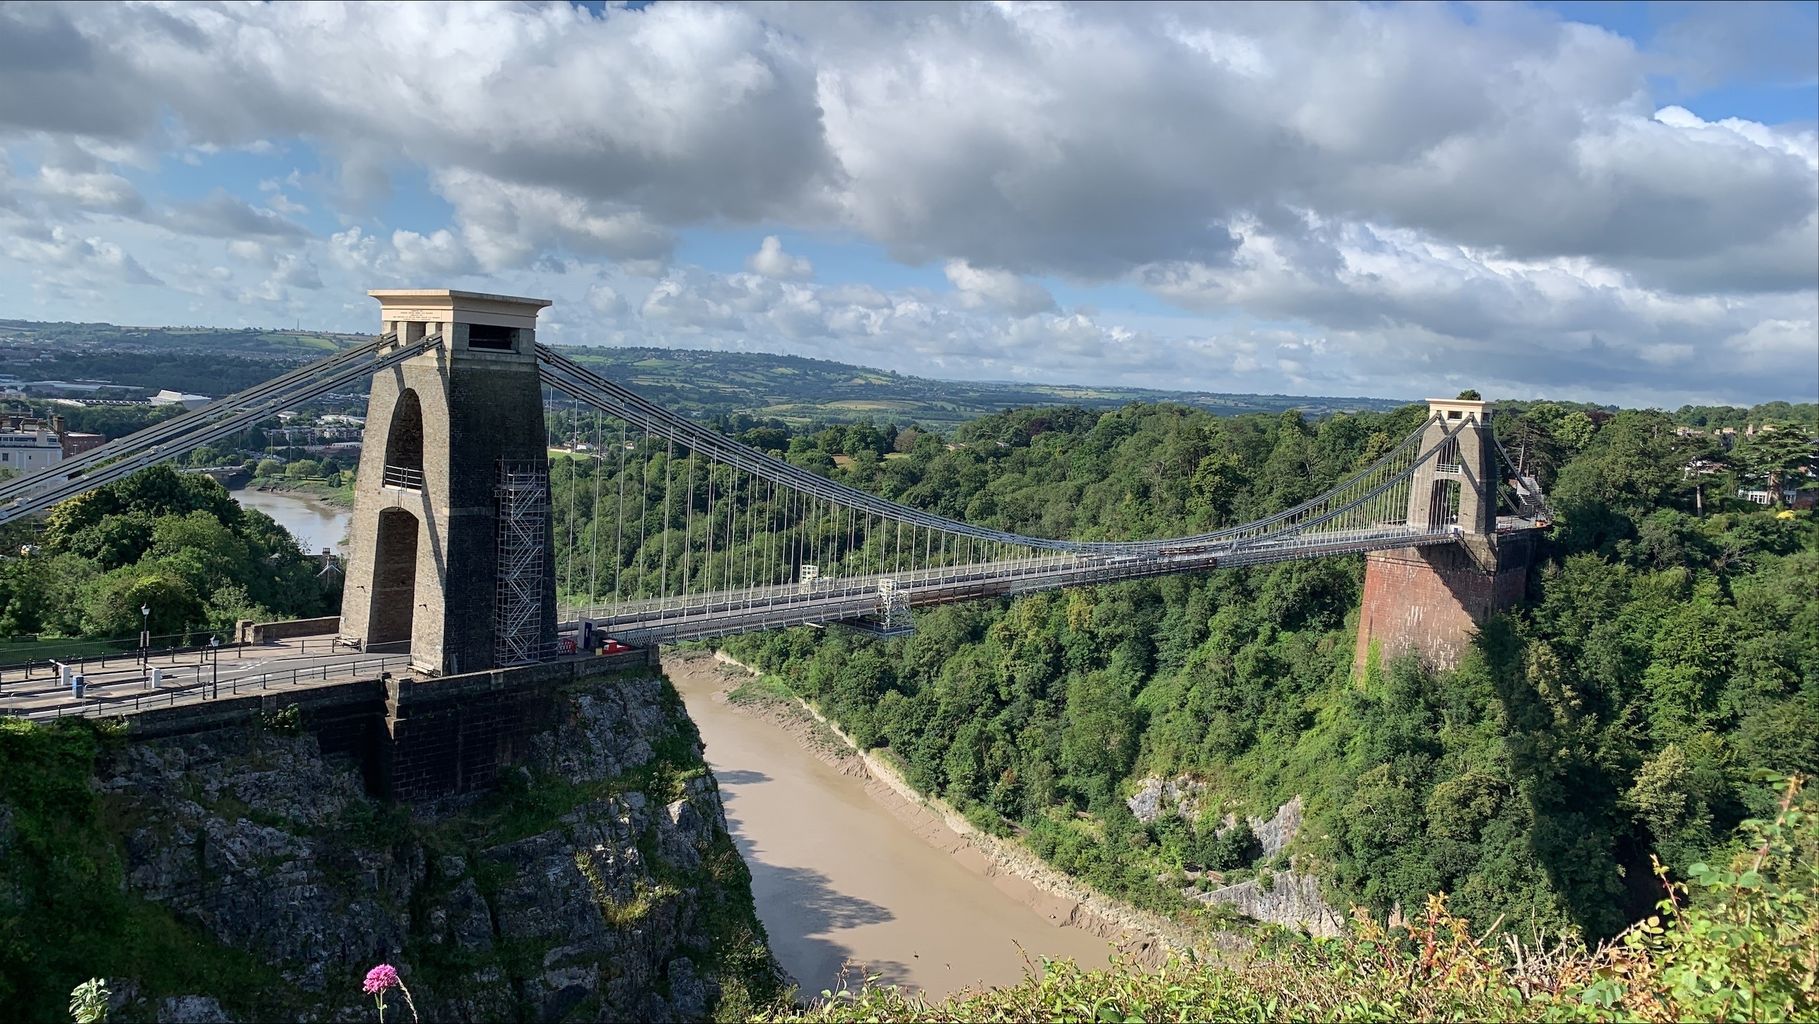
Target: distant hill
pixel 215 361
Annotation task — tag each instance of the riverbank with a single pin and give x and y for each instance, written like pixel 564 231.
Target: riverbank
pixel 1012 870
pixel 324 496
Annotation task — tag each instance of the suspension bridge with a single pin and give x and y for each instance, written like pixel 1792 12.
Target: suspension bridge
pixel 671 530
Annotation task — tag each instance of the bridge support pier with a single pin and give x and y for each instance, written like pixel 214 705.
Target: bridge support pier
pixel 427 547
pixel 1431 600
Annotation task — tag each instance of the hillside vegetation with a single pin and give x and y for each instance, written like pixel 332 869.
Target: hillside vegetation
pixel 1664 655
pixel 175 544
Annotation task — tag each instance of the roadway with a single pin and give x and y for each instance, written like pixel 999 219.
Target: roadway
pixel 121 685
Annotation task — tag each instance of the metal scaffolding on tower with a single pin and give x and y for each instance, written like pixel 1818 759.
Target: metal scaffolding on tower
pixel 524 512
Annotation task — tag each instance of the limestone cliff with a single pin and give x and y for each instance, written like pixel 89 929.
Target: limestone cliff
pixel 257 879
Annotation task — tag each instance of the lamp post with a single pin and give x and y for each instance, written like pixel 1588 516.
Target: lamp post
pixel 145 634
pixel 214 667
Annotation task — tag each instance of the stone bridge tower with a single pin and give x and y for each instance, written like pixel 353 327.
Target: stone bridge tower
pixel 1431 600
pixel 450 545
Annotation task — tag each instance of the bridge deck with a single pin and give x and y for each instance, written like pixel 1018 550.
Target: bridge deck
pixel 835 599
pixel 123 686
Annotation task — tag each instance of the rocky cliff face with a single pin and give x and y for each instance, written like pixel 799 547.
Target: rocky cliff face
pixel 598 883
pixel 1287 898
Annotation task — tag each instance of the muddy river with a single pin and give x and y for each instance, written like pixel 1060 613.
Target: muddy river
pixel 839 876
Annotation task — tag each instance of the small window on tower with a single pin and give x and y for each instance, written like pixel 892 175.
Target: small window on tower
pixel 1452 414
pixel 488 336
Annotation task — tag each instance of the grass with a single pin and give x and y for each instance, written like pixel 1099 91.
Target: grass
pixel 338 495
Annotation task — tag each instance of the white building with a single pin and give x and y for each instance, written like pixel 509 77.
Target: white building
pixel 28 445
pixel 169 397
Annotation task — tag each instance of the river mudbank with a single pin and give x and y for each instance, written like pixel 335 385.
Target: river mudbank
pixel 322 496
pixel 1000 868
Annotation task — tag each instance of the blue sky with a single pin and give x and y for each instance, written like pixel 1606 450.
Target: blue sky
pixel 1586 200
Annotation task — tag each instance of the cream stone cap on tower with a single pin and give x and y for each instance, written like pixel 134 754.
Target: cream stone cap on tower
pixel 1460 408
pixel 444 306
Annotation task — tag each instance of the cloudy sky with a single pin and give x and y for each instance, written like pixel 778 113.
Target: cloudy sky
pixel 1603 201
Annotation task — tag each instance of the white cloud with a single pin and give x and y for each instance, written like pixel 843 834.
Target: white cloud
pixel 428 257
pixel 771 261
pixel 222 215
pixel 606 300
pixel 64 258
pixel 1498 193
pixel 1001 290
pixel 96 190
pixel 507 225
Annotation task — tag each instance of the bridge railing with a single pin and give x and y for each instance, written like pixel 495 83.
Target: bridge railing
pixel 404 477
pixel 133 696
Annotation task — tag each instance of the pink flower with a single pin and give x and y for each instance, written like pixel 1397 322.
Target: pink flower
pixel 379 979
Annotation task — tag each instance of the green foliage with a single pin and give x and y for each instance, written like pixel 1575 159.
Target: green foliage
pixel 1230 848
pixel 1742 941
pixel 172 542
pixel 65 913
pixel 88 1001
pixel 1662 657
pixel 1776 456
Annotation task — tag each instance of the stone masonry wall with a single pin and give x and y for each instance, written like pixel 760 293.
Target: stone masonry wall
pixel 1431 600
pixel 414 739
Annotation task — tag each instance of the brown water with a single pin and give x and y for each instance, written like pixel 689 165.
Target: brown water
pixel 317 526
pixel 838 876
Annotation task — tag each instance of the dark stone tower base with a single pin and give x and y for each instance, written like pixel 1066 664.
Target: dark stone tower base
pixel 1431 600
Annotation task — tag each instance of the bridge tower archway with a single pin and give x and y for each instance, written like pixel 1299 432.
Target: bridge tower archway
pixel 1445 497
pixel 404 440
pixel 441 427
pixel 393 592
pixel 1459 485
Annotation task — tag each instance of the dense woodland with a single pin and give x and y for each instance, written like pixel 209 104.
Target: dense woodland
pixel 1669 650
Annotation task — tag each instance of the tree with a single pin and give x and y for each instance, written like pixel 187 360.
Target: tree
pixel 1776 456
pixel 1229 848
pixel 1470 395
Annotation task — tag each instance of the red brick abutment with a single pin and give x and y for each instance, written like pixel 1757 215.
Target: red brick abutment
pixel 1431 600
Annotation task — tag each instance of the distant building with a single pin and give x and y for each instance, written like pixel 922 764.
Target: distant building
pixel 1791 495
pixel 75 442
pixel 1703 467
pixel 28 445
pixel 169 397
